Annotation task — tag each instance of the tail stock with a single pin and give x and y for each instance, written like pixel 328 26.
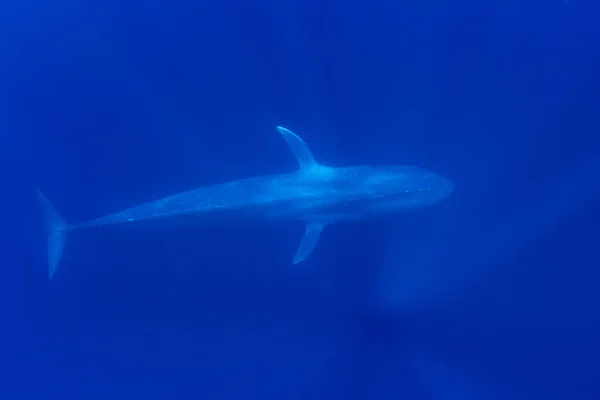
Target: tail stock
pixel 57 232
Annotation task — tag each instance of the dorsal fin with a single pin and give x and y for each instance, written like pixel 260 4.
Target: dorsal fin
pixel 299 148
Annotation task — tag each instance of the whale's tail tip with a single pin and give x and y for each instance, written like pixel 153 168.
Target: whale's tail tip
pixel 57 232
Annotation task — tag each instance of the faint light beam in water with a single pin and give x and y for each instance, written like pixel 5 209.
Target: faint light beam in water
pixel 439 380
pixel 411 281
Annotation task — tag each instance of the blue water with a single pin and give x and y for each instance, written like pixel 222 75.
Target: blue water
pixel 492 294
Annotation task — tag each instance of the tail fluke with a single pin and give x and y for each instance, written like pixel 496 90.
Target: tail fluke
pixel 57 232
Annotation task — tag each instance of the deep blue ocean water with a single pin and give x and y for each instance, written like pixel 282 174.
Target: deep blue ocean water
pixel 492 294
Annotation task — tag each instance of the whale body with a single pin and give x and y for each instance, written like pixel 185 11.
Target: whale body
pixel 315 194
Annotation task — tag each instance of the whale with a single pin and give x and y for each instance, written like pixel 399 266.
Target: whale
pixel 315 194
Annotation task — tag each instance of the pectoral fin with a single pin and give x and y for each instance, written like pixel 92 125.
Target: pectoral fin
pixel 309 241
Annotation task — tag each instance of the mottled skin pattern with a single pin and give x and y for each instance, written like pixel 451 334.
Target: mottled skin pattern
pixel 322 194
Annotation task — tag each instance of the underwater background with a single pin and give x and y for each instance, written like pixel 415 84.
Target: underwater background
pixel 492 294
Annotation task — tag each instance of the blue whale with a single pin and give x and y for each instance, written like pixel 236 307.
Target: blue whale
pixel 316 194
